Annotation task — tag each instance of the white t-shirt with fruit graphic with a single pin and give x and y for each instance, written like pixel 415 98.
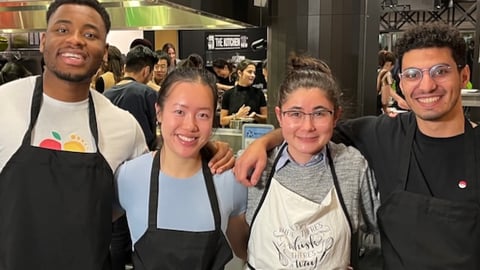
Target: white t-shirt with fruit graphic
pixel 65 126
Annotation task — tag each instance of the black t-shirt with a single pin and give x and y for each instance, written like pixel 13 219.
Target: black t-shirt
pixel 225 81
pixel 234 98
pixel 139 99
pixel 437 165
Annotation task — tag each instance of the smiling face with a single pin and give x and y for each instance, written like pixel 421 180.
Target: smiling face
pixel 434 99
pixel 74 43
pixel 186 119
pixel 306 137
pixel 173 55
pixel 246 76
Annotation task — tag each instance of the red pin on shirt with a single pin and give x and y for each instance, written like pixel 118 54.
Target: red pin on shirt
pixel 462 184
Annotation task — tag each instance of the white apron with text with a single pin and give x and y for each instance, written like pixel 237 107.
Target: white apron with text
pixel 292 232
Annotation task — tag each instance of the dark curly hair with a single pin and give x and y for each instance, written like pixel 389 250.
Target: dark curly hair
pixel 433 35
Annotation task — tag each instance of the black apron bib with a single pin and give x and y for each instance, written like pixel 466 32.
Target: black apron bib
pixel 56 206
pixel 424 232
pixel 163 249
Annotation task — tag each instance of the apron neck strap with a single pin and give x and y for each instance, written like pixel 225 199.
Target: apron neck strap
pixel 406 153
pixel 471 154
pixel 337 187
pixel 37 99
pixel 154 186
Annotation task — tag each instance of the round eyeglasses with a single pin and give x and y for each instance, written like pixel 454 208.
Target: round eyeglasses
pixel 437 73
pixel 297 117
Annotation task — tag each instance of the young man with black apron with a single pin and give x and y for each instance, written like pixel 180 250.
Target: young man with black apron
pixel 56 186
pixel 56 205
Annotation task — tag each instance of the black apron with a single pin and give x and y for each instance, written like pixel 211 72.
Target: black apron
pixel 56 206
pixel 424 232
pixel 163 249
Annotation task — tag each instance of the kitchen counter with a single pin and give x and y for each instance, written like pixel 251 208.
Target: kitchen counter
pixel 231 136
pixel 470 98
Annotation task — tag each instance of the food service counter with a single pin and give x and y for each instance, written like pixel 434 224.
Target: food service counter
pixel 470 98
pixel 471 103
pixel 229 135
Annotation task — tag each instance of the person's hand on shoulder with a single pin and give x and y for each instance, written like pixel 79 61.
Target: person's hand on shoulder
pixel 223 158
pixel 250 164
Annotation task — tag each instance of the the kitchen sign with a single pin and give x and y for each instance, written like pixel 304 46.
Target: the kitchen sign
pixel 226 42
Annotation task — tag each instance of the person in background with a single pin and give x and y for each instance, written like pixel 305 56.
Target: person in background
pixel 429 213
pixel 399 102
pixel 146 43
pixel 110 72
pixel 12 71
pixel 169 49
pixel 386 92
pixel 132 94
pixel 265 70
pixel 141 41
pixel 193 60
pixel 384 80
pixel 313 183
pixel 160 70
pixel 178 212
pixel 244 101
pixel 224 71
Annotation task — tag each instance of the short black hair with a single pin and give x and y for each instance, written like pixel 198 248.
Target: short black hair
pixel 163 55
pixel 139 57
pixel 141 41
pixel 91 3
pixel 221 63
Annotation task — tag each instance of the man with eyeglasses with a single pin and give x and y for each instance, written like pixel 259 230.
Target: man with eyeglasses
pixel 430 190
pixel 160 70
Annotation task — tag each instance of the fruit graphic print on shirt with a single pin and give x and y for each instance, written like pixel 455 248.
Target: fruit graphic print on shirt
pixel 73 143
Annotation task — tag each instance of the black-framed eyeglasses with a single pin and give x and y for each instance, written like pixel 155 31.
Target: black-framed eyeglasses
pixel 297 116
pixel 436 72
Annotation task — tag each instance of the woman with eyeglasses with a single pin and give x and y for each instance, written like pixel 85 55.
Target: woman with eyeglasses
pixel 315 195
